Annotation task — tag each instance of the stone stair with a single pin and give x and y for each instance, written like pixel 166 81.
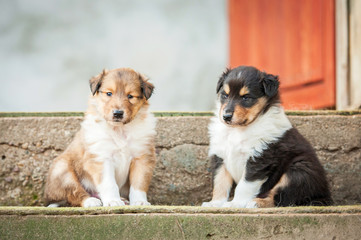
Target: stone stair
pixel 181 181
pixel 180 222
pixel 30 141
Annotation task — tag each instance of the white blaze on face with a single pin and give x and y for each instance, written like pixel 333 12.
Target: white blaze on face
pixel 239 74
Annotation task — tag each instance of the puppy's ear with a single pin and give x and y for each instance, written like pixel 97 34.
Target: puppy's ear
pixel 270 84
pixel 221 79
pixel 96 82
pixel 147 87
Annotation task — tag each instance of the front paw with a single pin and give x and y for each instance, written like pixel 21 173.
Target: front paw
pixel 113 202
pixel 215 203
pixel 92 202
pixel 137 197
pixel 240 204
pixel 252 204
pixel 139 203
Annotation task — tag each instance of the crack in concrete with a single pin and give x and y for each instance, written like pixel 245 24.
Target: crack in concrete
pixel 42 151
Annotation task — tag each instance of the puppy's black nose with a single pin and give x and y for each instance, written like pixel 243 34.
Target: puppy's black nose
pixel 227 117
pixel 118 114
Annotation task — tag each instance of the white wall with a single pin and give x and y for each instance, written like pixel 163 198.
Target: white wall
pixel 50 49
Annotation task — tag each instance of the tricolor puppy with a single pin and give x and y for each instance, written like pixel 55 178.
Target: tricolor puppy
pixel 253 144
pixel 112 156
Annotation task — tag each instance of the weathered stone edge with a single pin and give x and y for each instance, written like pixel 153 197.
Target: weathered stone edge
pixel 353 209
pixel 175 114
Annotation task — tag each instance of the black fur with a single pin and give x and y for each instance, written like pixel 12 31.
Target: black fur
pixel 96 82
pixel 221 79
pixel 216 162
pixel 270 84
pixel 291 155
pixel 147 89
pixel 260 84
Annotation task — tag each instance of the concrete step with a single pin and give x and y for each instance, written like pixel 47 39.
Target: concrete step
pixel 30 141
pixel 170 222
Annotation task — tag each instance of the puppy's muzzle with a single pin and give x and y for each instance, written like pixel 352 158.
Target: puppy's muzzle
pixel 227 116
pixel 118 114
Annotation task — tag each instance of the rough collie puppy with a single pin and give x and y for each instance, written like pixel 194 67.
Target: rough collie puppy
pixel 112 156
pixel 253 144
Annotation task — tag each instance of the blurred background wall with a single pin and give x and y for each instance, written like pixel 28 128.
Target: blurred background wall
pixel 50 49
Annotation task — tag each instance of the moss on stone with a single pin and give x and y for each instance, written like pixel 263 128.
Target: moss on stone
pixel 180 226
pixel 353 209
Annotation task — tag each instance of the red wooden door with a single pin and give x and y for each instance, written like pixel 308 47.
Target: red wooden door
pixel 290 38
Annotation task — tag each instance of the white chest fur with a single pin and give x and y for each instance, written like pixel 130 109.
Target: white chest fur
pixel 118 145
pixel 235 145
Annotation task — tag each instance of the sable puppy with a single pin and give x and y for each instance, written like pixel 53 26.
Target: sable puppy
pixel 112 157
pixel 253 144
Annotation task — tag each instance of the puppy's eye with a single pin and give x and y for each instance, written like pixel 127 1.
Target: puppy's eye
pixel 224 96
pixel 109 94
pixel 246 98
pixel 130 96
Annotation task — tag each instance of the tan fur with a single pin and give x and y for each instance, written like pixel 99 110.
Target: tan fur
pixel 269 200
pixel 56 189
pixel 243 91
pixel 222 183
pixel 76 164
pixel 226 88
pixel 120 84
pixel 141 170
pixel 245 116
